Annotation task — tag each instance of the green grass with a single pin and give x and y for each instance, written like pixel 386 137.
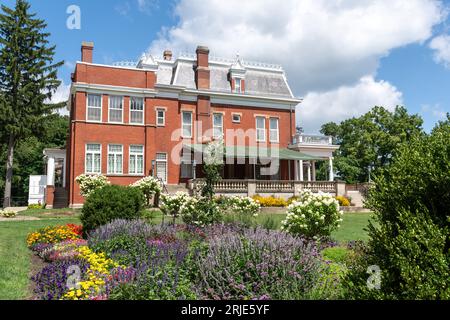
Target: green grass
pixel 54 213
pixel 15 258
pixel 352 228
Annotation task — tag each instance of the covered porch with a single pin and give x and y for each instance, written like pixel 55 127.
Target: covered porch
pixel 264 171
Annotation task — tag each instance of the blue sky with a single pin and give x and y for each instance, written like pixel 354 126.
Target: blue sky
pixel 342 57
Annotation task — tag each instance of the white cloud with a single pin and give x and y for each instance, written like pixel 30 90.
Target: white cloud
pixel 436 111
pixel 123 8
pixel 147 6
pixel 61 94
pixel 346 102
pixel 441 47
pixel 321 44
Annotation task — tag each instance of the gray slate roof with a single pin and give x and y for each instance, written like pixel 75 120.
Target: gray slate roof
pixel 260 80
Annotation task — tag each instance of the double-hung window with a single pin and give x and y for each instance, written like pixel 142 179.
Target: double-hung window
pixel 217 125
pixel 274 132
pixel 186 124
pixel 93 158
pixel 136 110
pixel 116 109
pixel 238 85
pixel 136 165
pixel 115 156
pixel 260 129
pixel 94 107
pixel 160 117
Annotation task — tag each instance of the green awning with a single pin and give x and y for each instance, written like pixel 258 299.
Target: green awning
pixel 257 152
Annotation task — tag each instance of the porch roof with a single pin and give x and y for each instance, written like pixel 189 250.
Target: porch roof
pixel 257 152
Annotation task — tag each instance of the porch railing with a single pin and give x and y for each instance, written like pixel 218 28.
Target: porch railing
pixel 252 187
pixel 274 186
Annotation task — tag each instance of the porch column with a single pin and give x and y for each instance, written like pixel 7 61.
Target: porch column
pixel 301 169
pixel 50 171
pixel 313 163
pixel 331 169
pixel 309 171
pixel 295 170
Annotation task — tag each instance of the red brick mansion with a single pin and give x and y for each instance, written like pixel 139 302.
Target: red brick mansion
pixel 128 121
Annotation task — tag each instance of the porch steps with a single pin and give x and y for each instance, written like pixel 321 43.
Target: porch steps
pixel 60 198
pixel 357 198
pixel 174 188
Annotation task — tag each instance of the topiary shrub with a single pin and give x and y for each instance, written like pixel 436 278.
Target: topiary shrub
pixel 110 203
pixel 411 201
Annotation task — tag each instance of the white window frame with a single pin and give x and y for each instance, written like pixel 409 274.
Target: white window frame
pixel 258 129
pixel 236 115
pixel 183 124
pixel 214 126
pixel 136 154
pixel 87 107
pixel 109 108
pixel 164 117
pixel 156 165
pixel 93 154
pixel 142 111
pixel 115 153
pixel 277 130
pixel 236 81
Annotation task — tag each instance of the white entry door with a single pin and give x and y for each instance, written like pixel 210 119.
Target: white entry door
pixel 161 166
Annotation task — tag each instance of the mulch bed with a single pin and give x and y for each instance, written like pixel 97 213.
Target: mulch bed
pixel 36 265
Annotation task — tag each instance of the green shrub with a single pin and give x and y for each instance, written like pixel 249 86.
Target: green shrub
pixel 411 200
pixel 109 203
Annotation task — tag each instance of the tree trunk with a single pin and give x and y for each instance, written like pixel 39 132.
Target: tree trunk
pixel 9 171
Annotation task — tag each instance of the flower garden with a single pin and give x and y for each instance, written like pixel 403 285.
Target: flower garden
pixel 217 252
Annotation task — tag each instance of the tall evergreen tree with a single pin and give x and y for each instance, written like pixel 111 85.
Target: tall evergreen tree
pixel 28 79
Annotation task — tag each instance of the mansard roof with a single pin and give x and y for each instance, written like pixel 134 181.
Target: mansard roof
pixel 261 79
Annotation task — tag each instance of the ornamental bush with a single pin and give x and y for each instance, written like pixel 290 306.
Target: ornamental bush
pixel 270 201
pixel 109 203
pixel 149 186
pixel 171 204
pixel 89 183
pixel 7 214
pixel 314 215
pixel 200 211
pixel 343 201
pixel 410 245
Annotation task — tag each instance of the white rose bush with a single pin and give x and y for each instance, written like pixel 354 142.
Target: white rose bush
pixel 245 205
pixel 150 186
pixel 89 183
pixel 171 204
pixel 313 215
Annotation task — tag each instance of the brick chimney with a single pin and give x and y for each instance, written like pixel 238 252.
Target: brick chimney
pixel 167 55
pixel 202 76
pixel 87 49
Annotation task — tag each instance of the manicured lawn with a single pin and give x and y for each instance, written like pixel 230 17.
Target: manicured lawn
pixel 51 213
pixel 352 228
pixel 15 257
